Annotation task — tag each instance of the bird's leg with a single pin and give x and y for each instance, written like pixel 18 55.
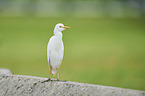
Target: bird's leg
pixel 50 73
pixel 49 79
pixel 57 74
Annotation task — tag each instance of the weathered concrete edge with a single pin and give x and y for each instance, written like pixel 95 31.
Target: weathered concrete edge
pixel 8 73
pixel 41 79
pixel 99 88
pixel 4 71
pixel 70 82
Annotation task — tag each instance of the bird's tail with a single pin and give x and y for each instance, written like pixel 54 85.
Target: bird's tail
pixel 53 72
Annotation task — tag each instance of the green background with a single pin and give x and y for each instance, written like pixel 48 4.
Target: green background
pixel 102 51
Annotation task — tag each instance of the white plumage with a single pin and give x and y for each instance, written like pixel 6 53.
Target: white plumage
pixel 55 50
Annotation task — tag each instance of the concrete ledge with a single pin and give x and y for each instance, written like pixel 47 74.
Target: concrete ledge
pixel 5 72
pixel 19 85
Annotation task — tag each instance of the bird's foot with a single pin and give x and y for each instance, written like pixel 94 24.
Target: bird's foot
pixel 49 79
pixel 61 80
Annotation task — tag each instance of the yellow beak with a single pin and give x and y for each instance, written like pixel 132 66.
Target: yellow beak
pixel 66 27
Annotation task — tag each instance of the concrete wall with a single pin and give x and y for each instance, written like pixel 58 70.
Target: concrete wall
pixel 20 85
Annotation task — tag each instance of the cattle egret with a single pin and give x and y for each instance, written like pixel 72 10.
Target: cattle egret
pixel 55 50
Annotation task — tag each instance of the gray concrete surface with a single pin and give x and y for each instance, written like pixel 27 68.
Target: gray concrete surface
pixel 20 85
pixel 5 72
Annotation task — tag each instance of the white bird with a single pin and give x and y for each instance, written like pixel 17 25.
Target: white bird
pixel 55 50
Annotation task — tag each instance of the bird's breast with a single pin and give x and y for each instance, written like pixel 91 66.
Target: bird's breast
pixel 58 45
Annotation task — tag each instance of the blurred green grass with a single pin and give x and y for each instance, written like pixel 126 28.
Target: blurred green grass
pixel 108 52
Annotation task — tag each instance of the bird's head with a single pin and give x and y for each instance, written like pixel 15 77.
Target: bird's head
pixel 60 27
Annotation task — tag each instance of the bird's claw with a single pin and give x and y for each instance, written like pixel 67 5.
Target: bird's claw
pixel 46 80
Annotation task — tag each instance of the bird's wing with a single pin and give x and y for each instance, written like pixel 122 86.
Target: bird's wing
pixel 62 52
pixel 48 53
pixel 49 48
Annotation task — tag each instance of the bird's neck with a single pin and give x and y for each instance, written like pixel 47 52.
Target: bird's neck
pixel 58 34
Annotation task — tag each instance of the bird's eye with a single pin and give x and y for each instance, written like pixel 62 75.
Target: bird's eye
pixel 60 26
